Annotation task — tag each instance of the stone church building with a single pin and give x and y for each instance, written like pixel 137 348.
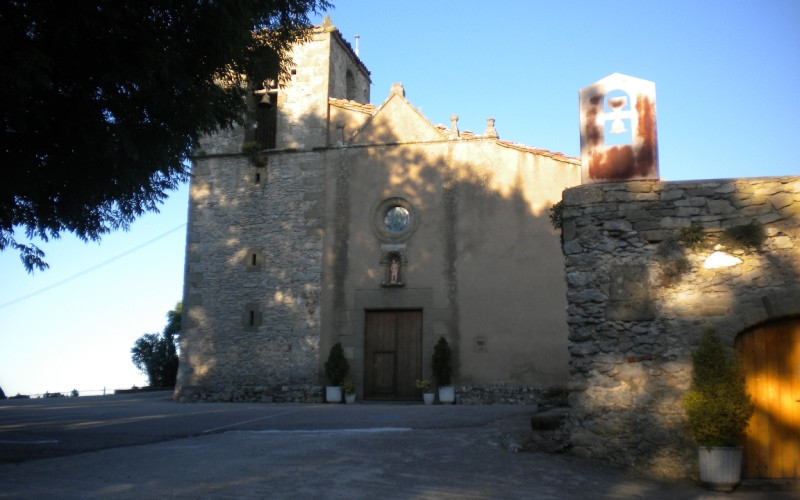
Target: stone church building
pixel 330 219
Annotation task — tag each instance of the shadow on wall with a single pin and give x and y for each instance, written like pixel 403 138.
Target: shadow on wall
pixel 641 292
pixel 252 275
pixel 482 215
pixel 263 239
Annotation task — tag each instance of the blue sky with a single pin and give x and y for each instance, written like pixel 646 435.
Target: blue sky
pixel 727 74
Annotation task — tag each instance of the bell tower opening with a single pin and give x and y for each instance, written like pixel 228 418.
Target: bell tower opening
pixel 350 86
pixel 266 98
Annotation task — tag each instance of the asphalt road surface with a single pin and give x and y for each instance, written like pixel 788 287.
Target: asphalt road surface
pixel 44 428
pixel 145 446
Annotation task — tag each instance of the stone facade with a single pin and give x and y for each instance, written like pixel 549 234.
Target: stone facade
pixel 289 251
pixel 644 282
pixel 253 281
pixel 241 337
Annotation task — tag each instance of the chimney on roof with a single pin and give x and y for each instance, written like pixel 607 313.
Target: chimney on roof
pixel 490 130
pixel 453 126
pixel 357 37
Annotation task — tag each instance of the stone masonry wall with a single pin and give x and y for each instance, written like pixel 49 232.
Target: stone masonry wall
pixel 640 295
pixel 253 280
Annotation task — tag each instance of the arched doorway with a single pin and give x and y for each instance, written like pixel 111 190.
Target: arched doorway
pixel 770 354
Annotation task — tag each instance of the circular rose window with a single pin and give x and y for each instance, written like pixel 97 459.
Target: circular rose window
pixel 397 219
pixel 394 219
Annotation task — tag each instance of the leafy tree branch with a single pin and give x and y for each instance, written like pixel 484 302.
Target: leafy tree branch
pixel 103 102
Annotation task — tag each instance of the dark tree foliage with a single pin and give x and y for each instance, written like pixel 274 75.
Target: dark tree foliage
pixel 157 355
pixel 174 320
pixel 442 363
pixel 103 101
pixel 337 367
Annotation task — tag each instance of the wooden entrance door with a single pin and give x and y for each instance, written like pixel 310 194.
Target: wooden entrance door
pixel 771 358
pixel 392 354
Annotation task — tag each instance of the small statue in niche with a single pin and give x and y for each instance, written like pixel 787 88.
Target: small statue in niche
pixel 392 265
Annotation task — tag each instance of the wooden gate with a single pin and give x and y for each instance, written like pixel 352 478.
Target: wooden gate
pixel 392 354
pixel 771 359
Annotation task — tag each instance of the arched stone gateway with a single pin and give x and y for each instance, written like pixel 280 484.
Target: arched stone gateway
pixel 770 354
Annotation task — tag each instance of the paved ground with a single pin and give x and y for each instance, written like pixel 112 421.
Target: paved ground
pixel 145 446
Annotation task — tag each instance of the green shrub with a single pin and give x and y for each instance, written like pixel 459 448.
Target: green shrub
pixel 717 404
pixel 253 150
pixel 251 147
pixel 693 235
pixel 336 367
pixel 442 363
pixel 747 236
pixel 556 215
pixel 349 387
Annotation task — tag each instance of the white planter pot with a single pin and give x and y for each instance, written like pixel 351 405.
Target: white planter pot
pixel 350 398
pixel 447 394
pixel 333 394
pixel 720 467
pixel 428 397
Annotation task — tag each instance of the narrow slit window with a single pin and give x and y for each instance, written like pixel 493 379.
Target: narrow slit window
pixel 253 259
pixel 251 317
pixel 258 177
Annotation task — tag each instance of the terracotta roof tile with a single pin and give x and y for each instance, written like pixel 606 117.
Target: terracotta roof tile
pixel 543 152
pixel 353 105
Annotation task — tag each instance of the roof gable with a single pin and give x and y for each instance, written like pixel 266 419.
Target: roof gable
pixel 397 121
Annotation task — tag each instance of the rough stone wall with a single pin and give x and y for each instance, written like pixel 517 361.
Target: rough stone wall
pixel 320 67
pixel 343 61
pixel 252 292
pixel 640 295
pixel 253 279
pixel 303 102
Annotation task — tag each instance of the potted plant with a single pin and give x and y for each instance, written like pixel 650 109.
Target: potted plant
pixel 349 389
pixel 428 396
pixel 443 371
pixel 336 368
pixel 718 408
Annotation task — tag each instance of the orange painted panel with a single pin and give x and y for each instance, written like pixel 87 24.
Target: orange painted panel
pixel 770 356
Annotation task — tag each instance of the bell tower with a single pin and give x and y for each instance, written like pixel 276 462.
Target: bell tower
pixel 293 113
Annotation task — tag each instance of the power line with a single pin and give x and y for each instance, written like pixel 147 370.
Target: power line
pixel 93 268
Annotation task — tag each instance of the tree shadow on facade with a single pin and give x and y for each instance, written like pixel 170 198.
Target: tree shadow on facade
pixel 477 218
pixel 631 344
pixel 283 264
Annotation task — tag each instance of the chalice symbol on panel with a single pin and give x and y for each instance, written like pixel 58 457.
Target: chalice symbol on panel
pixel 616 104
